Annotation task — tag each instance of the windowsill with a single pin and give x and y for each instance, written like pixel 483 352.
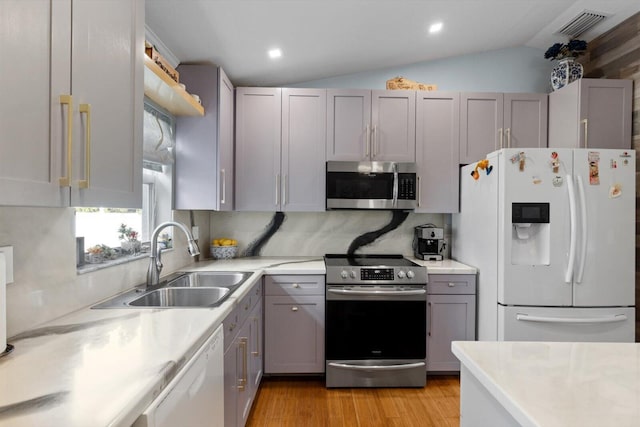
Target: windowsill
pixel 90 267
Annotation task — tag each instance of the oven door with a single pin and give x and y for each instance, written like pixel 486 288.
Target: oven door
pixel 375 336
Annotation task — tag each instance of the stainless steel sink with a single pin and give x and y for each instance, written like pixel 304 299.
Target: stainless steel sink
pixel 182 290
pixel 209 278
pixel 182 297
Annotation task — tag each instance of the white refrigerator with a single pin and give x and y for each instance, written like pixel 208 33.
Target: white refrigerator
pixel 552 234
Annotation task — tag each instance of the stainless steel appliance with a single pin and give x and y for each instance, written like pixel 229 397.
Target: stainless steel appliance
pixel 429 243
pixel 371 185
pixel 375 323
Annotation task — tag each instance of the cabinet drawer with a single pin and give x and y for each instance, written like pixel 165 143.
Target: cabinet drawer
pixel 451 284
pixel 294 285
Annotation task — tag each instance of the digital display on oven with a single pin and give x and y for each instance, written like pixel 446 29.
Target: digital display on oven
pixel 376 274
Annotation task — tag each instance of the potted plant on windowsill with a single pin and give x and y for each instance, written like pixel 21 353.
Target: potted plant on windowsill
pixel 567 70
pixel 129 240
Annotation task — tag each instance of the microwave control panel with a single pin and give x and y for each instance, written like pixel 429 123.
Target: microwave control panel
pixel 407 186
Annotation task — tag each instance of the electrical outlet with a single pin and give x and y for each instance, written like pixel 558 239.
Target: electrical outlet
pixel 8 257
pixel 195 232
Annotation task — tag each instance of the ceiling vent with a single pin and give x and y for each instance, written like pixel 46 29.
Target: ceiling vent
pixel 581 23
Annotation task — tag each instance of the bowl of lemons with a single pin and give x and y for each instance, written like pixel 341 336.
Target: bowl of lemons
pixel 223 248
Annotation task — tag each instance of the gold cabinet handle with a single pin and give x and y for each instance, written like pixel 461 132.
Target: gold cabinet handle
pixel 242 381
pixel 65 181
pixel 508 131
pixel 84 183
pixel 500 138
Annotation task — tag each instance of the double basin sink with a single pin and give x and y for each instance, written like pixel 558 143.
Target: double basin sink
pixel 182 290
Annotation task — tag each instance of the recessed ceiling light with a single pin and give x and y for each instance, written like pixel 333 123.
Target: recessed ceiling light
pixel 435 28
pixel 275 53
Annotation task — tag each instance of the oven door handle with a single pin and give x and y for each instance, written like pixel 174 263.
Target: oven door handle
pixel 377 367
pixel 352 292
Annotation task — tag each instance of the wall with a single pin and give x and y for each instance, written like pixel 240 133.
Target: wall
pixel 46 285
pixel 319 233
pixel 521 69
pixel 616 55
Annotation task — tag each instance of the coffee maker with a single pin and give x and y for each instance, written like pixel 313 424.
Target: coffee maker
pixel 429 243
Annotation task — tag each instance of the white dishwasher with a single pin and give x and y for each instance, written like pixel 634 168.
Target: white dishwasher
pixel 195 397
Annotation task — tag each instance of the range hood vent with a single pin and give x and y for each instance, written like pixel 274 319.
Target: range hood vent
pixel 581 23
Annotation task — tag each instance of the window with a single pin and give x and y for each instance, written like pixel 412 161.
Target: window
pixel 100 226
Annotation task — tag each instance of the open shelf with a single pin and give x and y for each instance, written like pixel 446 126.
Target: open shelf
pixel 161 88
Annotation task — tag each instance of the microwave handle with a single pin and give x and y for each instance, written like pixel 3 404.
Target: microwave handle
pixel 395 185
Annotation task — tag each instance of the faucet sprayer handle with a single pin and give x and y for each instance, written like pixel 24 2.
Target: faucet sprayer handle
pixel 193 248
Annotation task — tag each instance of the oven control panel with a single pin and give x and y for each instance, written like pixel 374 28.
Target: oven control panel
pixel 377 274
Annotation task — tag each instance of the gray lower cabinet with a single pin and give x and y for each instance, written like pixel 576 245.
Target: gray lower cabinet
pixel 242 357
pixel 451 316
pixel 294 324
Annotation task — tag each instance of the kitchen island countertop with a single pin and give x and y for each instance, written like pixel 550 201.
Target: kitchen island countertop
pixel 549 384
pixel 103 367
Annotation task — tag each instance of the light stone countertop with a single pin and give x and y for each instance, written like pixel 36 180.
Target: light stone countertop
pixel 104 367
pixel 559 384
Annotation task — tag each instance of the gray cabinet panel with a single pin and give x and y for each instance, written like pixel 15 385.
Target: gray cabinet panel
pixel 451 316
pixel 481 116
pixel 591 113
pixel 348 124
pixel 437 151
pixel 204 145
pixel 293 285
pixel 525 120
pixel 258 133
pixel 364 125
pixel 294 334
pixel 303 149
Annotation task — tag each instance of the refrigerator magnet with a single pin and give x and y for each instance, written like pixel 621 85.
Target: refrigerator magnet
pixel 615 191
pixel 594 168
pixel 521 160
pixel 555 162
pixel 557 181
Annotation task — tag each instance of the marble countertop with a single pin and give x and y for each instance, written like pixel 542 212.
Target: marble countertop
pixel 553 384
pixel 104 367
pixel 446 266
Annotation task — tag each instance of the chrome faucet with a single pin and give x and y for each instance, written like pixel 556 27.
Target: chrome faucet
pixel 155 259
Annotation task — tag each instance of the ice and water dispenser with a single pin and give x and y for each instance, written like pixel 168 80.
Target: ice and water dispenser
pixel 531 234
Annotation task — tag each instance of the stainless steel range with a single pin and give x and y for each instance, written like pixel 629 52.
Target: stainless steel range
pixel 375 324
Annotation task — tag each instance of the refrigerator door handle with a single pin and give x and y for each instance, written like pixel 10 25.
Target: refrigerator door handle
pixel 549 319
pixel 583 235
pixel 573 215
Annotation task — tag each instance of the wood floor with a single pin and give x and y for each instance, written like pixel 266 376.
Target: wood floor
pixel 306 402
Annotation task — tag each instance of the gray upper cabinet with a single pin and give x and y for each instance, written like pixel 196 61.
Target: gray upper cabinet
pixel 437 145
pixel 204 169
pixel 365 125
pixel 591 113
pixel 280 155
pixel 490 121
pixel 72 127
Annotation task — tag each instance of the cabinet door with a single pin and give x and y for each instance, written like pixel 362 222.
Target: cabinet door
pixel 255 346
pixel 481 117
pixel 231 378
pixel 225 141
pixel 437 151
pixel 35 47
pixel 605 113
pixel 294 334
pixel 204 145
pixel 303 149
pixel 449 318
pixel 525 120
pixel 348 124
pixel 107 88
pixel 393 121
pixel 258 127
pixel 245 390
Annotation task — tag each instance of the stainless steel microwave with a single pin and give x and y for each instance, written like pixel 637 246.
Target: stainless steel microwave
pixel 371 185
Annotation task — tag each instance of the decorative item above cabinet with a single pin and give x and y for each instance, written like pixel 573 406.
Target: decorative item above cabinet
pixel 166 92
